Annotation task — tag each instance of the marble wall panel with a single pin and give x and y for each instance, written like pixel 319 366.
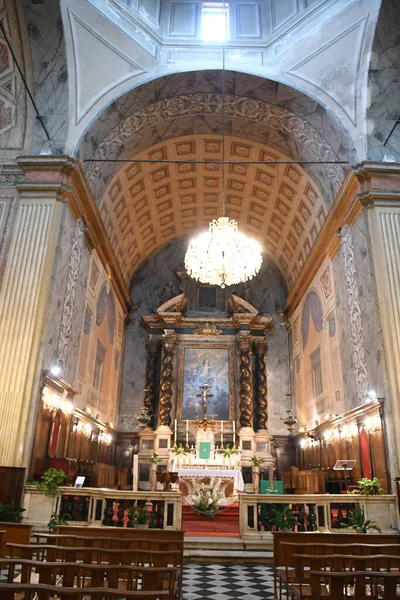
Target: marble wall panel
pixel 56 299
pixel 384 84
pixel 46 41
pixel 374 355
pixel 268 291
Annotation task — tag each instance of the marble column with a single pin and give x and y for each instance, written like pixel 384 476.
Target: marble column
pixel 260 351
pixel 23 304
pixel 245 382
pixel 166 380
pixel 152 350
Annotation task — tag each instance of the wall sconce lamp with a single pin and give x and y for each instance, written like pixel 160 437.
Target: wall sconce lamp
pixel 54 401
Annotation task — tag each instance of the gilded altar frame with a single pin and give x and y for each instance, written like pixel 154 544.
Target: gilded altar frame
pixel 206 345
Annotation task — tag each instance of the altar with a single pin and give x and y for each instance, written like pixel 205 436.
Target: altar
pixel 205 394
pixel 201 474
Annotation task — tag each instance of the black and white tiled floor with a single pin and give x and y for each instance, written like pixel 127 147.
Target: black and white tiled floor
pixel 226 582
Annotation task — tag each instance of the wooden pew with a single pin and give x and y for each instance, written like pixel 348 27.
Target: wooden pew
pixel 302 538
pixel 13 591
pixel 19 533
pixel 381 585
pixel 144 543
pixel 337 563
pixel 133 556
pixel 91 575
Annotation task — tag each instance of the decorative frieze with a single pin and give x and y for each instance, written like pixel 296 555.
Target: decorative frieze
pixel 70 293
pixel 356 328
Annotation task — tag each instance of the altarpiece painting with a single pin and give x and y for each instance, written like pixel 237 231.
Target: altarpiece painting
pixel 210 366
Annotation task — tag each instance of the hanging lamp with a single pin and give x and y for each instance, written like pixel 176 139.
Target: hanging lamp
pixel 222 255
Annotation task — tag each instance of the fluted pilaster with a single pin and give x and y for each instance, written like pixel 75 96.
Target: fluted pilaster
pixel 167 378
pixel 245 382
pixel 260 351
pixel 23 300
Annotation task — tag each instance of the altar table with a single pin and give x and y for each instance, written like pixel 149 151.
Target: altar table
pixel 234 474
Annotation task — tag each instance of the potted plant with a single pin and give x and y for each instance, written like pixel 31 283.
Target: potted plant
pixel 227 453
pixel 205 502
pixel 257 462
pixel 11 513
pixel 40 496
pixel 50 481
pixel 284 520
pixel 369 487
pixel 141 517
pixel 56 520
pixel 356 521
pixel 180 451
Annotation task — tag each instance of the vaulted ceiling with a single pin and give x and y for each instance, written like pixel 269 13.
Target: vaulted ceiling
pixel 148 204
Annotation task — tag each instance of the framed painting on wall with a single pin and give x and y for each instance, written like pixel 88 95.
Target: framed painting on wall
pixel 210 365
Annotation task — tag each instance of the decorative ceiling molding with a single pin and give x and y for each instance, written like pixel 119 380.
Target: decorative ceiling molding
pixel 99 65
pixel 190 105
pixel 147 205
pixel 13 105
pixel 333 70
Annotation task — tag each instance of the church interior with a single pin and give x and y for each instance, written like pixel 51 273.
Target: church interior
pixel 128 128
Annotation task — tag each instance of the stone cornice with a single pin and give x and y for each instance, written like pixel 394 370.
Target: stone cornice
pixel 366 185
pixel 255 323
pixel 64 178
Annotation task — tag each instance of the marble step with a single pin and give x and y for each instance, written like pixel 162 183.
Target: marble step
pixel 227 550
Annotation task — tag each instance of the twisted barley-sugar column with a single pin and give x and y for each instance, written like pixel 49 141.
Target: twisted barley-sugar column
pixel 245 383
pixel 152 349
pixel 260 351
pixel 167 368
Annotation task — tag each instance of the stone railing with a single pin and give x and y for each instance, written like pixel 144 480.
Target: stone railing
pixel 100 507
pixel 312 512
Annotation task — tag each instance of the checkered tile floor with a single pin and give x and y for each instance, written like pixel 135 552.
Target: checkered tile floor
pixel 226 582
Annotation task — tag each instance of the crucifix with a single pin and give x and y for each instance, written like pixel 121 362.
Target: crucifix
pixel 204 395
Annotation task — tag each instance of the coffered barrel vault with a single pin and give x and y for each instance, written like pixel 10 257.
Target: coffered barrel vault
pixel 148 204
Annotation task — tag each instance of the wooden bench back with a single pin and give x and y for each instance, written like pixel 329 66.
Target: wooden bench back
pixel 91 575
pixel 17 533
pixel 154 558
pixel 145 543
pixel 290 550
pixel 13 591
pixel 326 538
pixel 121 532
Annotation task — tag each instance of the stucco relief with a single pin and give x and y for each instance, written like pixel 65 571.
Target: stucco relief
pixel 356 328
pixel 256 111
pixel 326 283
pixel 70 293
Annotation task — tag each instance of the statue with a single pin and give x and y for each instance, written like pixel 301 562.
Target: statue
pixel 168 292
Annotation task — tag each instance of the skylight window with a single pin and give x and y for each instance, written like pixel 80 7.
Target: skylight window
pixel 215 21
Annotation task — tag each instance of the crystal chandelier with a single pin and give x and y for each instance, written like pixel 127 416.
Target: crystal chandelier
pixel 222 255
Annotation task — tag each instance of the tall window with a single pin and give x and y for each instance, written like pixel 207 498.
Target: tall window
pixel 215 21
pixel 99 366
pixel 316 366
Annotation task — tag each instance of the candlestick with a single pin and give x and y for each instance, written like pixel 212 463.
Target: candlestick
pixel 176 430
pixel 187 438
pixel 222 433
pixel 187 424
pixel 234 431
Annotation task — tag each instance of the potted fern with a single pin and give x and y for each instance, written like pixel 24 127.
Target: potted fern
pixel 284 520
pixel 356 521
pixel 369 487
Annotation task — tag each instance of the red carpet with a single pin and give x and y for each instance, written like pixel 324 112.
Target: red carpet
pixel 225 524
